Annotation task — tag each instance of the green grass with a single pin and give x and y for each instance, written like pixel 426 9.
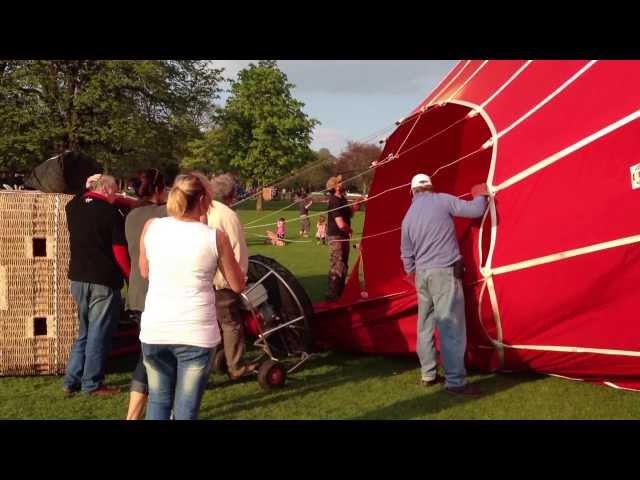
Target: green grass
pixel 336 385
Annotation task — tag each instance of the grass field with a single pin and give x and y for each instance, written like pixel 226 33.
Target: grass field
pixel 335 385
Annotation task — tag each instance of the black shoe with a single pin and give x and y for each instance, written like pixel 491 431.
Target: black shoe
pixel 431 383
pixel 104 391
pixel 466 391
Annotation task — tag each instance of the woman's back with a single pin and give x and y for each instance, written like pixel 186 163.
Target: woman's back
pixel 180 304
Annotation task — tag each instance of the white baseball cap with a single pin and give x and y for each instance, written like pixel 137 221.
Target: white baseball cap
pixel 420 180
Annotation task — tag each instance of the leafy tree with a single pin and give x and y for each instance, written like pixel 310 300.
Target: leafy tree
pixel 314 175
pixel 128 114
pixel 263 131
pixel 354 159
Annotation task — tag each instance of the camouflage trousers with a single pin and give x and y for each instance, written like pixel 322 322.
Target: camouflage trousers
pixel 338 265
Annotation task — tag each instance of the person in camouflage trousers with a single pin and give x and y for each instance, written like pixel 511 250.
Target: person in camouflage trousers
pixel 339 215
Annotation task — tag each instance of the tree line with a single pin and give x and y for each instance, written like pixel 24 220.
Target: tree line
pixel 165 114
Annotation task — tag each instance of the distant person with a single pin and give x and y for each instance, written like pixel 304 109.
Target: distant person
pixel 280 228
pixel 339 231
pixel 321 230
pixel 228 302
pixel 432 261
pixel 303 204
pixel 99 264
pixel 180 256
pixel 152 199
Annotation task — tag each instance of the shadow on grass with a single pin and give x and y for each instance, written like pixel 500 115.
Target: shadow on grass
pixel 346 370
pixel 436 399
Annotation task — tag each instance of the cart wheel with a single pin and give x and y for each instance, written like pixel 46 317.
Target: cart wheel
pixel 272 375
pixel 220 362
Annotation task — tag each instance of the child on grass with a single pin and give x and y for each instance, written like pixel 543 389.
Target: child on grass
pixel 321 230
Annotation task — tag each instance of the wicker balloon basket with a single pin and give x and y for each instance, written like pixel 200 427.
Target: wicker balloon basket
pixel 38 317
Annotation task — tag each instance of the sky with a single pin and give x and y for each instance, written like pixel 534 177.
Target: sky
pixel 354 99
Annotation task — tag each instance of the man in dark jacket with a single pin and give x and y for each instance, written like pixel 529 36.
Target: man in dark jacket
pixel 99 261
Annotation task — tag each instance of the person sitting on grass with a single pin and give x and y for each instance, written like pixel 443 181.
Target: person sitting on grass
pixel 273 239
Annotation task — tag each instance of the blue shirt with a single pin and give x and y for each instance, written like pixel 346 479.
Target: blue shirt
pixel 428 233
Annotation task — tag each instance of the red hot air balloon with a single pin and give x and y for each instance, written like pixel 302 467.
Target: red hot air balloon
pixel 553 269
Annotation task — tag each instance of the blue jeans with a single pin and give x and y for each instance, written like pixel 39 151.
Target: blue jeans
pixel 441 302
pixel 98 315
pixel 177 379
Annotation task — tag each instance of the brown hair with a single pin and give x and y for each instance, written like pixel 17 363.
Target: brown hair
pixel 188 189
pixel 149 182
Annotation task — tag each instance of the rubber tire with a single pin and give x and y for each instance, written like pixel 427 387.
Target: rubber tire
pixel 266 375
pixel 220 362
pixel 298 290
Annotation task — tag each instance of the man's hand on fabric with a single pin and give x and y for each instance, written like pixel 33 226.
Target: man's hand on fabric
pixel 479 190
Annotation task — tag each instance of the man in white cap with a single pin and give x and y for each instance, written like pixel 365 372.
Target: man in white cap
pixel 432 261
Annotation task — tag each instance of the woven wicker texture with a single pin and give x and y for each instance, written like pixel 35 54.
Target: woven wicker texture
pixel 38 317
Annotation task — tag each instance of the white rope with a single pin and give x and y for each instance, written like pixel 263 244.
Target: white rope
pixel 484 147
pixel 435 97
pixel 443 79
pixel 334 209
pixel 398 151
pixel 534 262
pixel 283 239
pixel 568 82
pixel 618 387
pixel 356 239
pixel 375 165
pixel 568 150
pixel 453 95
pixel 434 135
pixel 368 169
pixel 309 167
pixel 506 84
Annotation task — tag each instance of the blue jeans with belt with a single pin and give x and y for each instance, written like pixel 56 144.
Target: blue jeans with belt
pixel 177 377
pixel 98 315
pixel 441 303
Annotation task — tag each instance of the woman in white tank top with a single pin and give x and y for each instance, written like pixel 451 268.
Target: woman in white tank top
pixel 179 332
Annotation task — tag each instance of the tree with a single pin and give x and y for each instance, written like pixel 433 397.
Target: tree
pixel 314 175
pixel 263 131
pixel 127 114
pixel 355 159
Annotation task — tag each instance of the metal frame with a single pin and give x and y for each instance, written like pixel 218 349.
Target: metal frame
pixel 263 335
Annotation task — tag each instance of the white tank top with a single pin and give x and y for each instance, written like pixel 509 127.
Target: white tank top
pixel 180 304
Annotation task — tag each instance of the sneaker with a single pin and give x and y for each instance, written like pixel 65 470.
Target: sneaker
pixel 467 391
pixel 104 391
pixel 69 392
pixel 431 383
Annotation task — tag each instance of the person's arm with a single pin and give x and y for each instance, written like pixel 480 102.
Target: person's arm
pixel 342 225
pixel 407 252
pixel 119 245
pixel 233 228
pixel 143 261
pixel 229 266
pixel 467 208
